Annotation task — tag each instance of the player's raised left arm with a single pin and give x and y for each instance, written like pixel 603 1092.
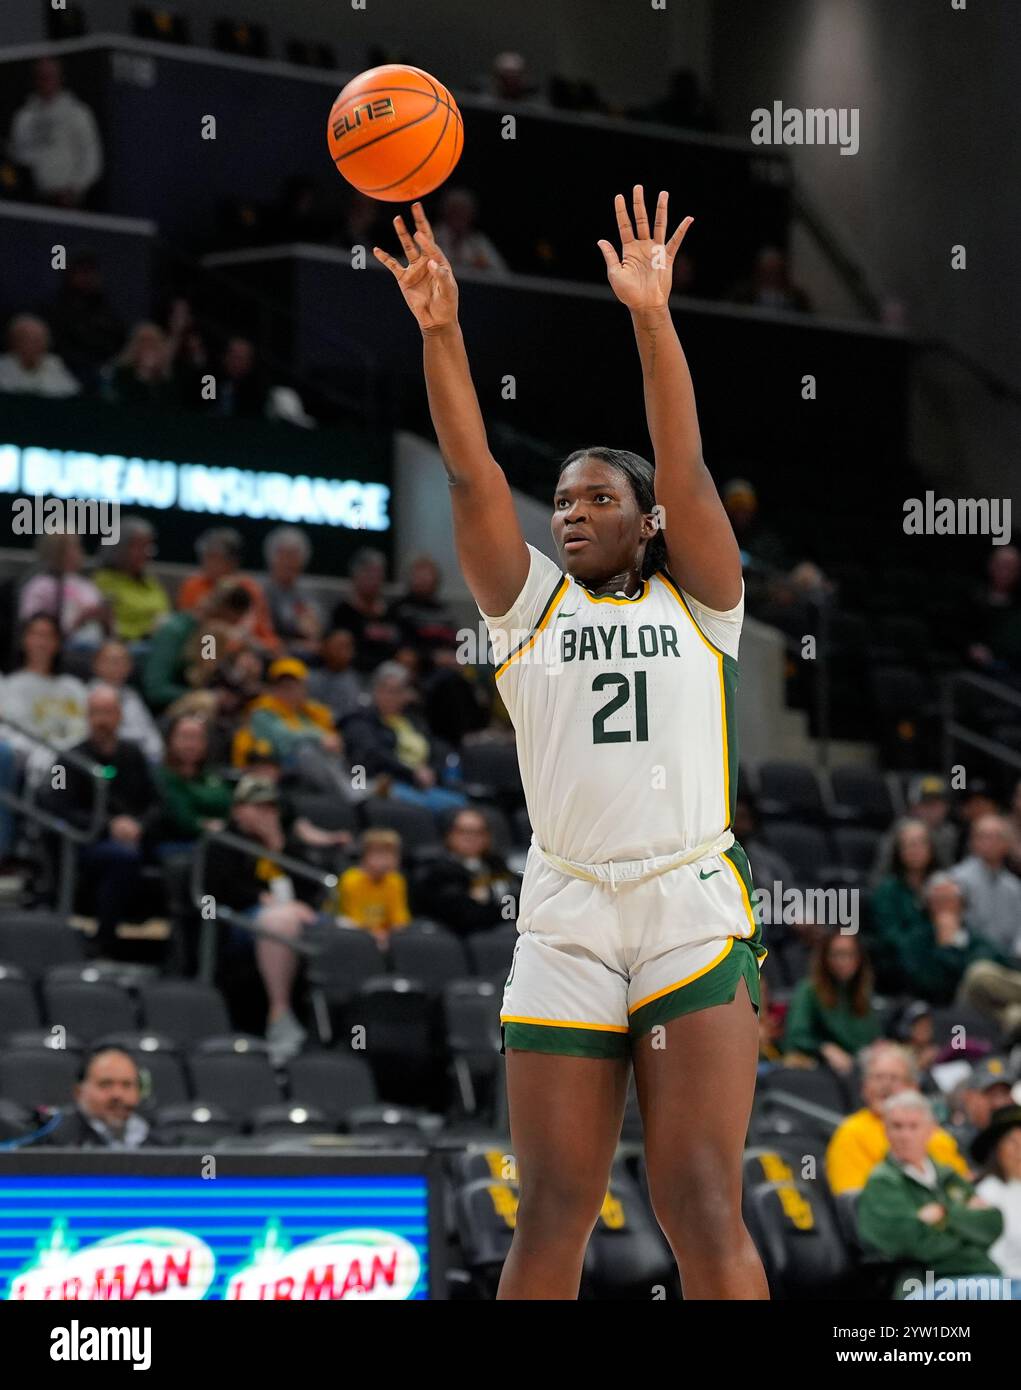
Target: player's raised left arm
pixel 701 548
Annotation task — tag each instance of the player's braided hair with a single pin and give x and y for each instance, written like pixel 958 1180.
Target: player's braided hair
pixel 641 475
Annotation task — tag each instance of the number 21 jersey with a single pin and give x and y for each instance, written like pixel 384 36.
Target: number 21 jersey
pixel 624 711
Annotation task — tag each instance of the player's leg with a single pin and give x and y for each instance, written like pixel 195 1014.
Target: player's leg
pixel 695 1077
pixel 565 1030
pixel 565 1118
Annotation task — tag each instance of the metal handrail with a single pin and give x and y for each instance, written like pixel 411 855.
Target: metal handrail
pixel 70 835
pixel 956 732
pixel 207 939
pixel 774 1097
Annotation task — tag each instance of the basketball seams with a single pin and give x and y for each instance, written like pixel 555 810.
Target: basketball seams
pixel 441 97
pixel 386 187
pixel 338 160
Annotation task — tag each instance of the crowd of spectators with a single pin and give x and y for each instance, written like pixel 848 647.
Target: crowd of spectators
pixel 220 706
pixel 77 346
pixel 244 703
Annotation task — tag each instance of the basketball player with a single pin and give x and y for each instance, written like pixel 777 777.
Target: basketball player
pixel 637 940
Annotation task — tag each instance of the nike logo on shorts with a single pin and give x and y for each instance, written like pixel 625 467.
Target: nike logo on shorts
pixel 703 874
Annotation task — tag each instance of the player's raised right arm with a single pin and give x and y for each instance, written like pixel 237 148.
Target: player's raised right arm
pixel 490 547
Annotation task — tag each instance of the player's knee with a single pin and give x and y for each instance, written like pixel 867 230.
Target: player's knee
pixel 698 1205
pixel 552 1201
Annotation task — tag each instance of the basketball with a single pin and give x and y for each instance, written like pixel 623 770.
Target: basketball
pixel 395 133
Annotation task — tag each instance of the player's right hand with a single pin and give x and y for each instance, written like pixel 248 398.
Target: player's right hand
pixel 427 281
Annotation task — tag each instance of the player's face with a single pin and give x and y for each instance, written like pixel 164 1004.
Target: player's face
pixel 596 523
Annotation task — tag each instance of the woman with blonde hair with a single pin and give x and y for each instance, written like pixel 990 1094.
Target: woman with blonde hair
pixel 142 374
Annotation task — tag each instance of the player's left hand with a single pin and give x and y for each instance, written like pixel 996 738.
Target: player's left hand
pixel 642 277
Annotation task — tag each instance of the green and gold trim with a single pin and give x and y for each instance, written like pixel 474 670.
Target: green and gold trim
pixel 737 862
pixel 716 983
pixel 554 599
pixel 568 1039
pixel 727 675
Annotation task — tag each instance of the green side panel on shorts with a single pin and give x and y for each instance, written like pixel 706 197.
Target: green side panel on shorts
pixel 730 675
pixel 567 1042
pixel 719 986
pixel 739 859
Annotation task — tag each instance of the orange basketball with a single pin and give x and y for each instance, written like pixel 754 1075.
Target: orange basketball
pixel 395 133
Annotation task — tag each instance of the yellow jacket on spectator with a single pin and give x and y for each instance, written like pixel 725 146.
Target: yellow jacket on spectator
pixel 377 904
pixel 860 1143
pixel 269 720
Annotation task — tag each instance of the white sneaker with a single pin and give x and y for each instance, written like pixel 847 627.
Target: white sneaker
pixel 285 1036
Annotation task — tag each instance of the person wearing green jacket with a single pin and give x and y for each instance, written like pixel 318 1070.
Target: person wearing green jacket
pixel 927 1218
pixel 830 1017
pixel 165 674
pixel 920 935
pixel 193 797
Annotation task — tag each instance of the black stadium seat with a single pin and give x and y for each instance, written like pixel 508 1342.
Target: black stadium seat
pixel 484 1212
pixel 490 951
pixel 89 1009
pixel 490 771
pixel 16 1120
pixel 290 1117
pixel 234 1072
pixel 846 1206
pixel 628 1256
pixel 805 847
pixel 790 791
pixel 334 1082
pixel 415 825
pixel 399 1019
pixel 856 847
pixel 37 940
pixel 185 1010
pixel 862 797
pixel 38 1076
pixel 471 1011
pixel 349 957
pixel 51 1039
pixel 795 1231
pixel 428 953
pixel 19 1007
pixel 194 1123
pixel 326 811
pixel 398 1124
pixel 818 1085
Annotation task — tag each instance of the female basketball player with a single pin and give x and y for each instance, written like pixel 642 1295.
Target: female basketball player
pixel 636 934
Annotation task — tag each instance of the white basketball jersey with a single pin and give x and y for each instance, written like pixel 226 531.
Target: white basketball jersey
pixel 624 714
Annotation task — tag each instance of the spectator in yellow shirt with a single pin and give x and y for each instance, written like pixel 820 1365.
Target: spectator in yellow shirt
pixel 860 1142
pixel 373 894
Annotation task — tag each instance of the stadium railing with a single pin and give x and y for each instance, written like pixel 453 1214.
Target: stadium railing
pixel 224 914
pixel 70 837
pixel 958 685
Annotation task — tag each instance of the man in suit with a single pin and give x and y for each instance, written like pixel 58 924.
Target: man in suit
pixel 106 1101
